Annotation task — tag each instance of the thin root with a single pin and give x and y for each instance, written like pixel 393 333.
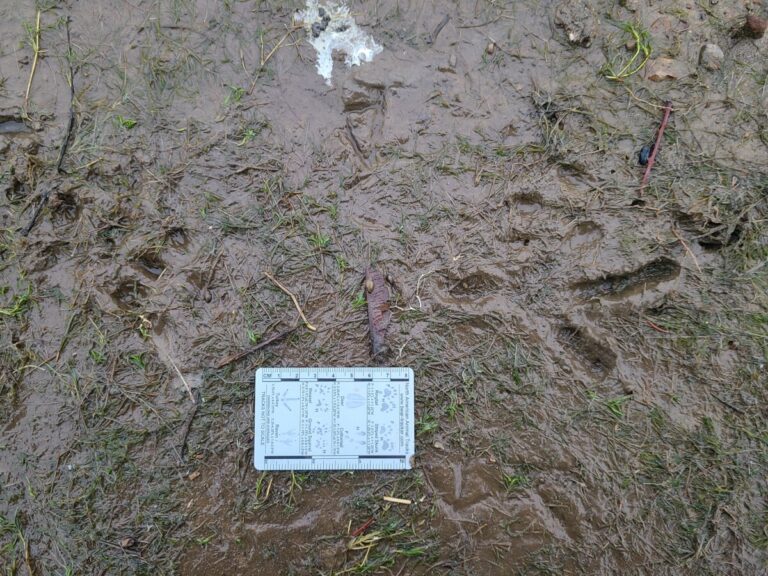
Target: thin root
pixel 295 301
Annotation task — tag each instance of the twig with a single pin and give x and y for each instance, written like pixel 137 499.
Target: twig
pixel 394 500
pixel 728 404
pixel 188 424
pixel 183 380
pixel 362 528
pixel 418 285
pixel 70 125
pixel 36 50
pixel 237 356
pixel 687 249
pixel 438 29
pixel 656 145
pixel 206 291
pixel 264 59
pixel 656 327
pixel 295 301
pixel 71 122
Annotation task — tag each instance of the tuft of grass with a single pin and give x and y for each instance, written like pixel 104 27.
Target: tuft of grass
pixel 616 406
pixel 16 544
pixel 453 405
pixel 253 336
pixel 618 70
pixel 248 136
pixel 342 263
pixel 137 360
pixel 426 424
pixel 236 94
pixel 515 482
pixel 19 304
pixel 124 122
pixel 320 240
pixel 359 300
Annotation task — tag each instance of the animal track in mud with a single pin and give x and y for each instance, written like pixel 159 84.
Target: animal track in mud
pixel 529 218
pixel 712 235
pixel 597 357
pixel 177 237
pixel 583 237
pixel 129 294
pixel 150 264
pixel 66 205
pixel 475 283
pixel 624 285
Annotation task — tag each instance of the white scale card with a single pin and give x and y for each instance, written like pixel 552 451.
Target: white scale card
pixel 333 419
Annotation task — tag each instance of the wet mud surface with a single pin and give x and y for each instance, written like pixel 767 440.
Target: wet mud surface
pixel 589 360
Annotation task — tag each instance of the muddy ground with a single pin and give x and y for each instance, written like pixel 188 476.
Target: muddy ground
pixel 589 358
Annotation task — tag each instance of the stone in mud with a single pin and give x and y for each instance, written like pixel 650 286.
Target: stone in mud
pixel 577 19
pixel 711 57
pixel 755 26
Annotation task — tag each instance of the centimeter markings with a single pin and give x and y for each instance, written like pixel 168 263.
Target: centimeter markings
pixel 282 405
pixel 336 464
pixel 313 374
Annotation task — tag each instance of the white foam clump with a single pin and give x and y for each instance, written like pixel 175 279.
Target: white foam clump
pixel 342 34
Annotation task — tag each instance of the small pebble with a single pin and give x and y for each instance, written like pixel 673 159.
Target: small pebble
pixel 755 26
pixel 711 57
pixel 316 29
pixel 491 48
pixel 321 12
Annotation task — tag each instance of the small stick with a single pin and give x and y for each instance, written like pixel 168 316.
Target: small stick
pixel 396 500
pixel 728 404
pixel 295 301
pixel 264 59
pixel 188 424
pixel 687 249
pixel 656 145
pixel 656 327
pixel 362 528
pixel 184 380
pixel 238 355
pixel 438 29
pixel 36 49
pixel 71 122
pixel 70 125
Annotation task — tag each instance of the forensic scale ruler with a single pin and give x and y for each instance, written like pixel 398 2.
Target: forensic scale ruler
pixel 333 419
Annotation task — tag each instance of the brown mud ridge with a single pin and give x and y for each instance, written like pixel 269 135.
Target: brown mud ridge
pixel 590 360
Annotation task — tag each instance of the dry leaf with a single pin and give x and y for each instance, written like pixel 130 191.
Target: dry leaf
pixel 379 315
pixel 665 69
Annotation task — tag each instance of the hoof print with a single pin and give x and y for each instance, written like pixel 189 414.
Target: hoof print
pixel 598 358
pixel 630 283
pixel 129 294
pixel 475 283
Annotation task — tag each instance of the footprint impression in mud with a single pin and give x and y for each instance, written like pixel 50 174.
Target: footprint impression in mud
pixel 531 285
pixel 478 513
pixel 588 345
